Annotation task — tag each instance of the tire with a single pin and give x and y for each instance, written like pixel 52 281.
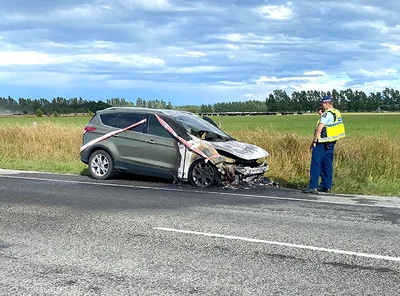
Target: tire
pixel 202 174
pixel 101 165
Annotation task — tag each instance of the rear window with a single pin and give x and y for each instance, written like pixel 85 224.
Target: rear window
pixel 109 119
pixel 128 119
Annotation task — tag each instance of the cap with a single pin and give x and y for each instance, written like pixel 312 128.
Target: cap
pixel 326 99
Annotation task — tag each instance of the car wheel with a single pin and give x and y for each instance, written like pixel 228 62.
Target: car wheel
pixel 101 165
pixel 202 174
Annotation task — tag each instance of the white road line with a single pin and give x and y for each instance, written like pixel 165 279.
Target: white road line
pixel 208 192
pixel 252 240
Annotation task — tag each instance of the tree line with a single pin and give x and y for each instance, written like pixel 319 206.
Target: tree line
pixel 60 105
pixel 344 100
pixel 277 101
pixel 305 101
pixel 42 106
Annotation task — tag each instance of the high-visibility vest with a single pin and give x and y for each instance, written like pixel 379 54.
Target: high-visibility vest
pixel 333 131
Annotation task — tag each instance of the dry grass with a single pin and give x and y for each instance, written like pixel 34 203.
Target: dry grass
pixel 289 154
pixel 368 165
pixel 40 142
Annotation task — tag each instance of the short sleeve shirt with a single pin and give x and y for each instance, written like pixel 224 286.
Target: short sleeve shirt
pixel 327 118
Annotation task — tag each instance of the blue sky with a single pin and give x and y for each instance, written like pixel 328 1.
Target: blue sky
pixel 196 51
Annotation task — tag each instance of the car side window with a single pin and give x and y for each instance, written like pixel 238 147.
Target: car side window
pixel 109 119
pixel 128 119
pixel 156 129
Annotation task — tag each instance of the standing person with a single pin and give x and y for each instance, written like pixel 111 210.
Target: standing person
pixel 320 111
pixel 330 129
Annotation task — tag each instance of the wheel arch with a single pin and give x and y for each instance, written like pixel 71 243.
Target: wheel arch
pixel 100 147
pixel 197 161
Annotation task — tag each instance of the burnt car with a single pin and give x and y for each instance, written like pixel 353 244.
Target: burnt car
pixel 168 144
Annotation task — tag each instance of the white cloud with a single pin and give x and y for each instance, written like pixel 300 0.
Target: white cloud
pixel 376 86
pixel 355 8
pixel 147 4
pixel 323 83
pixel 102 44
pixel 194 69
pixel 105 7
pixel 232 47
pixel 275 12
pixel 377 73
pixel 60 45
pixel 96 44
pixel 252 96
pixel 265 79
pixel 379 26
pixel 193 54
pixel 233 37
pixel 130 60
pixel 38 78
pixel 314 73
pixel 82 13
pixel 254 40
pixel 225 82
pixel 25 58
pixel 393 47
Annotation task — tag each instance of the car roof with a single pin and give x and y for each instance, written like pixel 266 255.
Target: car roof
pixel 142 110
pixel 129 110
pixel 174 112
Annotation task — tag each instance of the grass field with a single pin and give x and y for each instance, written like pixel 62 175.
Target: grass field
pixel 80 121
pixel 357 124
pixel 363 124
pixel 366 161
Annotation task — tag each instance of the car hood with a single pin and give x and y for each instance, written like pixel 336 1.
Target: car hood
pixel 239 149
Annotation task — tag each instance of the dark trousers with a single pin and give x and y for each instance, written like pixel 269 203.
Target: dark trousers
pixel 322 165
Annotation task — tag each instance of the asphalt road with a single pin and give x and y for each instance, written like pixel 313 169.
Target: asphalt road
pixel 71 235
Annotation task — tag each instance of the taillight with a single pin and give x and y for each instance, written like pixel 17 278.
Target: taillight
pixel 88 129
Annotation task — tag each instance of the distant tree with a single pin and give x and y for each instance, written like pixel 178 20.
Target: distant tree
pixel 272 104
pixel 39 112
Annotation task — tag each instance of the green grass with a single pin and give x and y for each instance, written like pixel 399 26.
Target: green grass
pixel 45 165
pixel 28 120
pixel 365 124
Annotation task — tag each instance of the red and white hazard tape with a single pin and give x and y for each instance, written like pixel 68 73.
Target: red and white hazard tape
pixel 113 133
pixel 187 144
pixel 163 124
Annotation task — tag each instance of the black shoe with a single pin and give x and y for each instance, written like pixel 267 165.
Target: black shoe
pixel 324 190
pixel 310 190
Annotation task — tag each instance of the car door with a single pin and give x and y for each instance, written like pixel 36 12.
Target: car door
pixel 129 144
pixel 160 148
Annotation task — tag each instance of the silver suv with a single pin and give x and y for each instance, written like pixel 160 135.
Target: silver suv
pixel 168 144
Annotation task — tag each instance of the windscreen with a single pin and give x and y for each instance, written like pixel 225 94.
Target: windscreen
pixel 197 126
